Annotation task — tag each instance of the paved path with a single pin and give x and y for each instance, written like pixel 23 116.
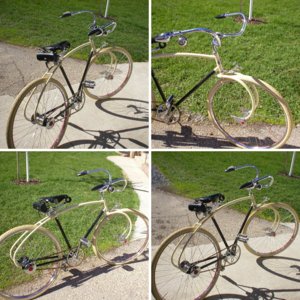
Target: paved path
pixel 251 277
pixel 206 136
pixel 94 280
pixel 120 122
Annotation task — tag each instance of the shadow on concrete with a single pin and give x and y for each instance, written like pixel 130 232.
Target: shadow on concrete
pixel 126 108
pixel 252 293
pixel 187 138
pixel 75 277
pixel 108 139
pixel 284 267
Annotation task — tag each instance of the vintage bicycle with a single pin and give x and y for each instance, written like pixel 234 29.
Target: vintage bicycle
pixel 188 262
pixel 249 112
pixel 41 111
pixel 32 256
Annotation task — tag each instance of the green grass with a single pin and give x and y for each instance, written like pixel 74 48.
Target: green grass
pixel 57 174
pixel 268 51
pixel 196 174
pixel 36 23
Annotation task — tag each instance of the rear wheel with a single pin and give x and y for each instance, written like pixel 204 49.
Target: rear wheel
pixel 109 71
pixel 121 237
pixel 39 116
pixel 251 114
pixel 27 269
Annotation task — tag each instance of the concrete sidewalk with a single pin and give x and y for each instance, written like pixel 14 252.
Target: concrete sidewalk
pixel 118 123
pixel 139 180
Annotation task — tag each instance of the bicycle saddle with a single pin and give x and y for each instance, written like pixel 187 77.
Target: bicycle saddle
pixel 64 45
pixel 43 203
pixel 210 198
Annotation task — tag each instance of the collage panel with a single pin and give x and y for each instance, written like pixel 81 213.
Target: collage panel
pixel 75 74
pixel 225 225
pixel 201 95
pixel 74 225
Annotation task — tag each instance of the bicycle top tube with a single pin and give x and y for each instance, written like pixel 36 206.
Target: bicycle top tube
pixel 165 37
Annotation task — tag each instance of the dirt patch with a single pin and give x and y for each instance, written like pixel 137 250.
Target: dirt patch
pixel 24 182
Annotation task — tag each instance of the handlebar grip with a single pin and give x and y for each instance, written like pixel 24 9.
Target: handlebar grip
pixel 230 169
pixel 222 16
pixel 82 173
pixel 66 14
pixel 97 31
pixel 247 185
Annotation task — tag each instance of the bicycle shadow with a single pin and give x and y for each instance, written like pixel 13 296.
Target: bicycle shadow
pixel 281 266
pixel 251 293
pixel 185 136
pixel 76 277
pixel 126 108
pixel 104 139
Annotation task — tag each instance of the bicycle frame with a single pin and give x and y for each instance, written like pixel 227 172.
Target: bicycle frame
pixel 104 211
pixel 49 74
pixel 214 56
pixel 253 207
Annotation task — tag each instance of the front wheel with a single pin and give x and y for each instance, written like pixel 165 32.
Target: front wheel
pixel 271 229
pixel 250 113
pixel 109 72
pixel 186 265
pixel 29 268
pixel 121 237
pixel 39 116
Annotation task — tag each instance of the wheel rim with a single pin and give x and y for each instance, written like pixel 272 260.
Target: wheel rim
pixel 271 230
pixel 249 114
pixel 170 280
pixel 38 126
pixel 29 279
pixel 121 237
pixel 110 70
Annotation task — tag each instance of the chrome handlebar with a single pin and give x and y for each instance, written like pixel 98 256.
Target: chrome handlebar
pixel 94 29
pixel 107 185
pixel 254 183
pixel 164 38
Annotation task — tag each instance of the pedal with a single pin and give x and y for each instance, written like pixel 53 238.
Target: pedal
pixel 85 242
pixel 243 238
pixel 89 84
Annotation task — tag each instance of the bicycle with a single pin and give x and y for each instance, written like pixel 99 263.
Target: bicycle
pixel 40 113
pixel 249 112
pixel 188 262
pixel 32 256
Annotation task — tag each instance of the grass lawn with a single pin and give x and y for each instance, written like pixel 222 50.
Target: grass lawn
pixel 199 174
pixel 56 172
pixel 268 51
pixel 36 23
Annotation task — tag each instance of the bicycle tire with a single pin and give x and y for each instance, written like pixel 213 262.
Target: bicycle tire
pixel 118 243
pixel 110 70
pixel 169 281
pixel 250 113
pixel 27 127
pixel 271 229
pixel 27 283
